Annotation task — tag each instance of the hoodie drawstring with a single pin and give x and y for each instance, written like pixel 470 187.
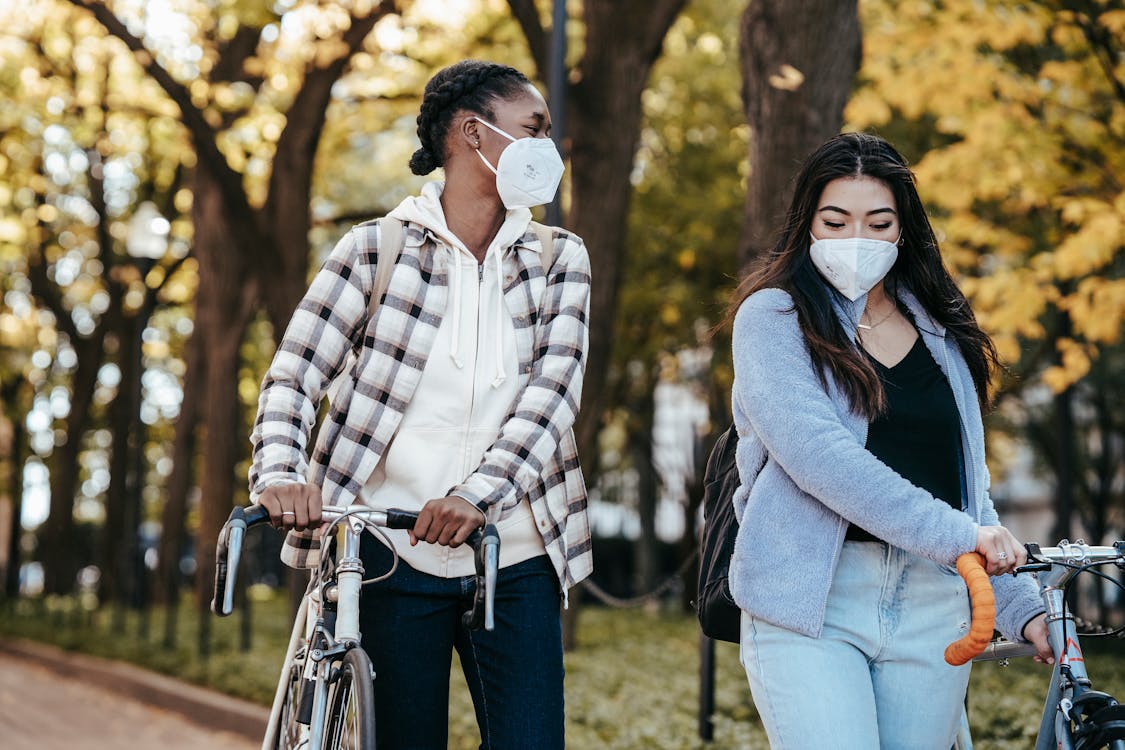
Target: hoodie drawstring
pixel 500 376
pixel 455 282
pixel 455 345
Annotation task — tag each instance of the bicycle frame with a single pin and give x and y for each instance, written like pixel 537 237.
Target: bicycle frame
pixel 1054 567
pixel 323 648
pixel 331 603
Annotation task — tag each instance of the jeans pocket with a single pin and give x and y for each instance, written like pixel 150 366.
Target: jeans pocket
pixel 949 570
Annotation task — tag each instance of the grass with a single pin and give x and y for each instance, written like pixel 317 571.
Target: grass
pixel 632 683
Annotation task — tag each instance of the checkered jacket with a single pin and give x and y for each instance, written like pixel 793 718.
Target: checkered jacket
pixel 535 454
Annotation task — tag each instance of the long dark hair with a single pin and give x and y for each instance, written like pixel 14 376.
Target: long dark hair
pixel 468 85
pixel 919 269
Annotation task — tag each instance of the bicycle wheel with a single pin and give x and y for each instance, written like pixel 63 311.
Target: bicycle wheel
pixel 290 733
pixel 350 722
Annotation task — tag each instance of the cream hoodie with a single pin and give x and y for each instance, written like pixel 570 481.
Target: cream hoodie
pixel 467 389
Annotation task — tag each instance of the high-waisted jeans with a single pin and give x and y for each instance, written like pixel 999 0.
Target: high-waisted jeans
pixel 876 677
pixel 411 623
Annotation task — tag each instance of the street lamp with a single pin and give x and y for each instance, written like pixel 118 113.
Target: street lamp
pixel 556 93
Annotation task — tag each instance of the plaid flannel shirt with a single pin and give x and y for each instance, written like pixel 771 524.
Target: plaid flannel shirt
pixel 535 455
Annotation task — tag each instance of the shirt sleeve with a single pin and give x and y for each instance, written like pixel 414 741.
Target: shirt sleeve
pixel 312 353
pixel 548 406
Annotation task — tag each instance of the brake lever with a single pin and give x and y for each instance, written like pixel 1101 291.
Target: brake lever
pixel 486 557
pixel 491 546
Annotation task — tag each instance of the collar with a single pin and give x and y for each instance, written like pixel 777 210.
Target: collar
pixel 849 311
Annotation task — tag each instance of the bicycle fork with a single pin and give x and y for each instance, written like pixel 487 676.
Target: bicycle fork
pixel 301 627
pixel 344 595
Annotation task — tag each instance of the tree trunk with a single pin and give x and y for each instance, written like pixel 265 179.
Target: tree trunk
pixel 174 513
pixel 799 60
pixel 12 399
pixel 623 40
pixel 116 500
pixel 690 542
pixel 59 537
pixel 223 307
pixel 59 542
pixel 646 550
pixel 286 218
pixel 1065 473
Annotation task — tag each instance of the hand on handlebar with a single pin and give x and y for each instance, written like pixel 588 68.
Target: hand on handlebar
pixel 447 521
pixel 1002 552
pixel 1036 632
pixel 292 506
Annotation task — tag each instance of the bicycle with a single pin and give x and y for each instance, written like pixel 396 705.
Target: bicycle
pixel 1075 716
pixel 325 693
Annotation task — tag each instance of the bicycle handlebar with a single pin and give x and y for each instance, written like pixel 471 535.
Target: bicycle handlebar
pixel 983 607
pixel 983 604
pixel 228 552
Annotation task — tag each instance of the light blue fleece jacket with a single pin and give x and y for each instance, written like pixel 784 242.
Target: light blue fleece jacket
pixel 805 473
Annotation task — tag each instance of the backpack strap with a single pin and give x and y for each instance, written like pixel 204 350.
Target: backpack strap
pixel 391 237
pixel 546 235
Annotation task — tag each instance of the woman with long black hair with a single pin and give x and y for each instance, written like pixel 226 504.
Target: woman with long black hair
pixel 860 378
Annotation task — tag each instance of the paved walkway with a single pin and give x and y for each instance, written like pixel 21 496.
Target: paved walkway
pixel 41 708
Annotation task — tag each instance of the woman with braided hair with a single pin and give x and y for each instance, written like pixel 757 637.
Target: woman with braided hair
pixel 459 405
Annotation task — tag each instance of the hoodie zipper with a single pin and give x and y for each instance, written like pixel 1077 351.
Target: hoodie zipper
pixel 466 442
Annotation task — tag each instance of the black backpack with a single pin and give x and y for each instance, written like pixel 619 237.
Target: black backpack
pixel 719 616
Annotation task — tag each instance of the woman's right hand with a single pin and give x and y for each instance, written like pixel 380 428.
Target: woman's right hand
pixel 292 506
pixel 1002 552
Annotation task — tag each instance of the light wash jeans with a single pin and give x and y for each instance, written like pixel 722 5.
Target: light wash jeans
pixel 876 677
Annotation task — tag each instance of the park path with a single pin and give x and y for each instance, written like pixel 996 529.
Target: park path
pixel 43 710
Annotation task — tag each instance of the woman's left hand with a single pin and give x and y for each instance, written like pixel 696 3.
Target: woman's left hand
pixel 447 521
pixel 1036 632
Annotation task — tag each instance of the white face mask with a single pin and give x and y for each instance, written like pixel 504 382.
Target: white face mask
pixel 528 171
pixel 853 264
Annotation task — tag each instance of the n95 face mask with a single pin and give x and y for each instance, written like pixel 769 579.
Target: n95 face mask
pixel 528 171
pixel 853 264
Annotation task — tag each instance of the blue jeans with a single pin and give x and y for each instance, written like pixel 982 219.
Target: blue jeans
pixel 411 623
pixel 876 677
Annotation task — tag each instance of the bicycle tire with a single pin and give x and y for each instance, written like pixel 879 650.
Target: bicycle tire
pixel 350 720
pixel 290 734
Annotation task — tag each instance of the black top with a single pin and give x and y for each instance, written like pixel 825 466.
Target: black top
pixel 919 435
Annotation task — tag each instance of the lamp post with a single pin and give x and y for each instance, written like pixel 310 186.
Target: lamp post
pixel 556 92
pixel 146 242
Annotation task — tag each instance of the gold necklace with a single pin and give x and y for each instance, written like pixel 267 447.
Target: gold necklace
pixel 881 320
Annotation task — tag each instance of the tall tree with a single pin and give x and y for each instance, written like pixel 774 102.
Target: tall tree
pixel 799 61
pixel 621 41
pixel 251 246
pixel 13 408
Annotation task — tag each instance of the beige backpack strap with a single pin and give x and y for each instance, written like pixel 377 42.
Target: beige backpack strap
pixel 546 237
pixel 392 238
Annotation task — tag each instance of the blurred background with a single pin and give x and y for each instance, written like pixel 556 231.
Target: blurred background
pixel 172 172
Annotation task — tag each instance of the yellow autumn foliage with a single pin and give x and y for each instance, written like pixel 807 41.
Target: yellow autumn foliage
pixel 1021 168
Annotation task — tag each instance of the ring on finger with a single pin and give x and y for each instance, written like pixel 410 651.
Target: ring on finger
pixel 1002 556
pixel 291 513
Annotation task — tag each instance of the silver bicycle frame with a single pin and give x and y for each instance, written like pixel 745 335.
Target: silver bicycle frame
pixel 302 627
pixel 349 578
pixel 1062 635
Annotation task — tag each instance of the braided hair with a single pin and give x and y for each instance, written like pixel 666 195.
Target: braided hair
pixel 469 84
